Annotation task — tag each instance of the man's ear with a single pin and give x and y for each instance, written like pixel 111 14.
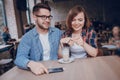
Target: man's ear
pixel 34 17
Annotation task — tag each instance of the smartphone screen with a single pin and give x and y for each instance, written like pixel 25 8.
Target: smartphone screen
pixel 54 70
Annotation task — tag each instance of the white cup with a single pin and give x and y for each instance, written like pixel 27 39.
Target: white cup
pixel 65 52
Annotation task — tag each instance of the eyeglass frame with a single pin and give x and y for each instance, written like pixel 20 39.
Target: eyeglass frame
pixel 44 17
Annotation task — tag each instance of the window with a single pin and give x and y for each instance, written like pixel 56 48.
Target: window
pixel 2 19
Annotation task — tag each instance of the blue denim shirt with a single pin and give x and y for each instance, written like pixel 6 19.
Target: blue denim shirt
pixel 30 47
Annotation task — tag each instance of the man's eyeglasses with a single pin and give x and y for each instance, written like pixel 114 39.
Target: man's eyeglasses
pixel 43 17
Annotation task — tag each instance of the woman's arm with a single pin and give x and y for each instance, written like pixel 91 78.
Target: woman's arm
pixel 90 50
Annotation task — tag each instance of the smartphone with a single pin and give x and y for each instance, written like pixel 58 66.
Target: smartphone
pixel 55 70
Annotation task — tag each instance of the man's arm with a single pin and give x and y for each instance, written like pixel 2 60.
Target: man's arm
pixel 22 57
pixel 23 61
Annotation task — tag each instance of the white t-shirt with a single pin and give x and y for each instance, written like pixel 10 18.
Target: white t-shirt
pixel 46 47
pixel 77 51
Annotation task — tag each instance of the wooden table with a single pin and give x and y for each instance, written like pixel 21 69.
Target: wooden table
pixel 99 68
pixel 111 48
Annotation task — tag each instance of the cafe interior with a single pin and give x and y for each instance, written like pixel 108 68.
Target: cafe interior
pixel 16 15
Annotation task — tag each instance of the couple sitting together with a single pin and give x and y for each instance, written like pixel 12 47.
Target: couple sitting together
pixel 44 43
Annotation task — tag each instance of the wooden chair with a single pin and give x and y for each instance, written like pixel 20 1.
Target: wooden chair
pixel 5 64
pixel 13 51
pixel 100 52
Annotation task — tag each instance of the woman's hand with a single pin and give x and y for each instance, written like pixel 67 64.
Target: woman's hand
pixel 65 40
pixel 78 40
pixel 71 41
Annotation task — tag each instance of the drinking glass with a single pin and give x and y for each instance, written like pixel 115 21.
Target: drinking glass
pixel 65 52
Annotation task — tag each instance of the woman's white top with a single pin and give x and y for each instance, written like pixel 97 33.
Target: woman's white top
pixel 77 51
pixel 46 47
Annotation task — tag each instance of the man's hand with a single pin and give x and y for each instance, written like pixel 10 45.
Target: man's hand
pixel 37 68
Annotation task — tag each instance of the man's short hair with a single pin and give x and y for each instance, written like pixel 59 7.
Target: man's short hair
pixel 39 6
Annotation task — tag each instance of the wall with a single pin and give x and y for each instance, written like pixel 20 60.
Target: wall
pixel 31 4
pixel 21 19
pixel 15 19
pixel 11 19
pixel 60 9
pixel 101 10
pixel 112 11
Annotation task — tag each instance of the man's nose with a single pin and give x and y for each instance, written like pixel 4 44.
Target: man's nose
pixel 48 20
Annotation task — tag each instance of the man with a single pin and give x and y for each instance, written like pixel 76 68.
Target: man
pixel 39 44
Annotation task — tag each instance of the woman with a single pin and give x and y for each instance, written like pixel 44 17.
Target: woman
pixel 80 36
pixel 115 38
pixel 115 34
pixel 6 36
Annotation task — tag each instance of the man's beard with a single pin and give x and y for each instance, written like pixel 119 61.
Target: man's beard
pixel 42 27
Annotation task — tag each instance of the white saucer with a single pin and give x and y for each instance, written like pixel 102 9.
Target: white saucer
pixel 64 62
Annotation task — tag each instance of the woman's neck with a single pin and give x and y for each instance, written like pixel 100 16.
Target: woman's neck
pixel 116 37
pixel 76 33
